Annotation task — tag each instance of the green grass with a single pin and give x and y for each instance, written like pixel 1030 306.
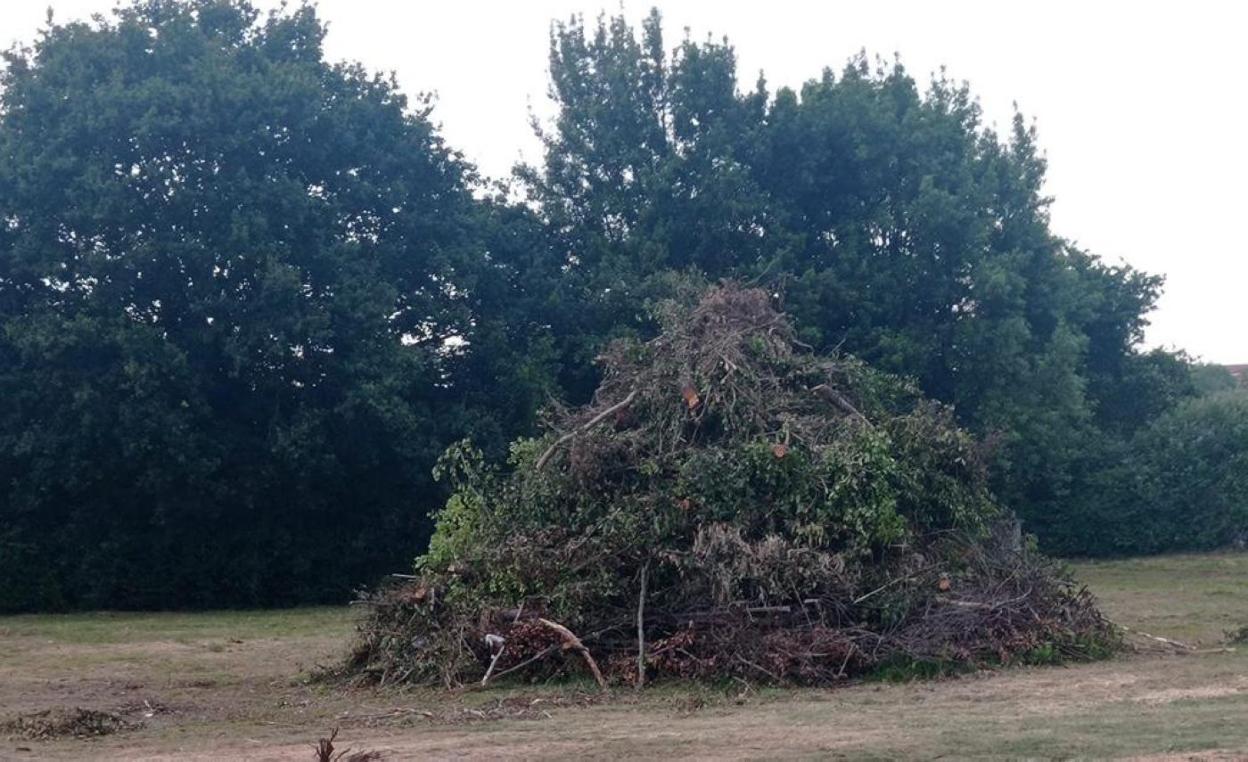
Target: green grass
pixel 137 627
pixel 1195 598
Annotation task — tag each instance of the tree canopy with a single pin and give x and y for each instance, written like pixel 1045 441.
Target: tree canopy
pixel 248 296
pixel 893 223
pixel 238 287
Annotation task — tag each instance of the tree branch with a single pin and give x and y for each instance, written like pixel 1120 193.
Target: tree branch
pixel 570 641
pixel 838 399
pixel 641 629
pixel 589 425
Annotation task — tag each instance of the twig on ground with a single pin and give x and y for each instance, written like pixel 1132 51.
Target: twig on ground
pixel 1172 643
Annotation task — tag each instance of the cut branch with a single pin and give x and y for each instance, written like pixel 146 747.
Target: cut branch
pixel 892 582
pixel 589 425
pixel 573 643
pixel 536 657
pixel 641 629
pixel 1167 641
pixel 838 399
pixel 493 663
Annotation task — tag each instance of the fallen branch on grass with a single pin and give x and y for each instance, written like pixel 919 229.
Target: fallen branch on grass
pixel 325 752
pixel 1167 641
pixel 573 643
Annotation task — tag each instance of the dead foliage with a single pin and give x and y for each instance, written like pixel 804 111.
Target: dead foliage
pixel 325 751
pixel 729 506
pixel 65 722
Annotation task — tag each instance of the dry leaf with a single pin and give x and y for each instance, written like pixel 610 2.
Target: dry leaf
pixel 691 396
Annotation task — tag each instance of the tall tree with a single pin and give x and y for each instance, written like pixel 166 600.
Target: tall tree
pixel 890 220
pixel 237 288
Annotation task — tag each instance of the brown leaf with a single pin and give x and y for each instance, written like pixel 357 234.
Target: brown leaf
pixel 691 396
pixel 415 595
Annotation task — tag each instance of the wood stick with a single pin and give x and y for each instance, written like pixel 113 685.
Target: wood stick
pixel 838 399
pixel 841 672
pixel 892 582
pixel 1172 643
pixel 641 629
pixel 764 670
pixel 570 641
pixel 768 610
pixel 588 425
pixel 493 661
pixel 536 657
pixel 967 604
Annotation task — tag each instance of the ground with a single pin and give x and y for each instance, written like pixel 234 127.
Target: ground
pixel 235 685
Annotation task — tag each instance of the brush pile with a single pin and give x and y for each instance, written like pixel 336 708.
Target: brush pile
pixel 728 506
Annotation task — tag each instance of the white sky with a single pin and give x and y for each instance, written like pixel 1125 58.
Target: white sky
pixel 1140 105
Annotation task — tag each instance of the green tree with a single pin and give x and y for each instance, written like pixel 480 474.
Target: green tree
pixel 894 224
pixel 1195 477
pixel 1181 483
pixel 1209 378
pixel 238 288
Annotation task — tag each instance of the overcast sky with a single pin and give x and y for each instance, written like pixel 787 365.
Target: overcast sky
pixel 1140 105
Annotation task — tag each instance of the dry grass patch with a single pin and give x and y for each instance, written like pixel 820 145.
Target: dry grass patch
pixel 248 700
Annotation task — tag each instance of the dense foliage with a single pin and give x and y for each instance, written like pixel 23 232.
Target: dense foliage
pixel 228 275
pixel 1180 484
pixel 895 224
pixel 248 296
pixel 741 505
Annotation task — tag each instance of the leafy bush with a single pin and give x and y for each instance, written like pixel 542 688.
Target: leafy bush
pixel 1191 488
pixel 1179 484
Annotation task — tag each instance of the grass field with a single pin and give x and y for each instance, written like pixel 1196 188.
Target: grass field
pixel 234 685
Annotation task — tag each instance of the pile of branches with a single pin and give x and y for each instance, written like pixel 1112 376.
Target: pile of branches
pixel 730 505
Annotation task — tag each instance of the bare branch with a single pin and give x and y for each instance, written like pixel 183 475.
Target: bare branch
pixel 571 642
pixel 589 425
pixel 641 628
